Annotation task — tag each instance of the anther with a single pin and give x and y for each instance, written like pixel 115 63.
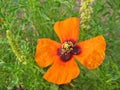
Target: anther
pixel 67 50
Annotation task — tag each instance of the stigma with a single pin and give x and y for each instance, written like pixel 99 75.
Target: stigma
pixel 68 49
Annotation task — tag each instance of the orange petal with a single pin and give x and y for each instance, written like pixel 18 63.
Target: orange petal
pixel 67 29
pixel 62 72
pixel 46 51
pixel 93 52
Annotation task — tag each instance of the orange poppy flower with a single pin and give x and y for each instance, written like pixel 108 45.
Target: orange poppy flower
pixel 61 56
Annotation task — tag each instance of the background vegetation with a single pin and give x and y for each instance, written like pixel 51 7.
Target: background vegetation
pixel 29 20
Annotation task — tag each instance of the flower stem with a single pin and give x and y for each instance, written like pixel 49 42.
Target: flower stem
pixel 15 47
pixel 85 13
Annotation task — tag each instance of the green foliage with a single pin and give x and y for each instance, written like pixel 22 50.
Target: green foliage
pixel 30 20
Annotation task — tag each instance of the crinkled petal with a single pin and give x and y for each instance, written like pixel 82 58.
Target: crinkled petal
pixel 93 52
pixel 46 52
pixel 67 29
pixel 62 72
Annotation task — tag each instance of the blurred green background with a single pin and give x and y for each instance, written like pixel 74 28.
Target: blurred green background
pixel 29 20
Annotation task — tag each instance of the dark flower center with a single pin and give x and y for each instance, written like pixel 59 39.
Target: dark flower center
pixel 68 49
